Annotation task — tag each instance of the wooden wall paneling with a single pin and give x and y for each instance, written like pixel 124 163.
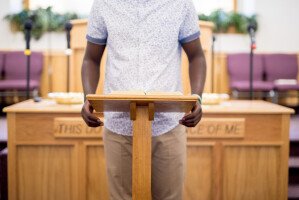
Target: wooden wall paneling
pixel 26 4
pixel 59 73
pixel 75 71
pixel 75 80
pixel 28 131
pixel 252 166
pixel 221 78
pixel 285 151
pixel 269 130
pixel 199 172
pixel 56 164
pixel 96 183
pixel 45 77
pixel 12 169
pixel 225 80
pixel 217 171
pixel 235 5
pixel 78 44
pixel 53 78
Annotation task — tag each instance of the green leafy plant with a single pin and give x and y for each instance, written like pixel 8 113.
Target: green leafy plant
pixel 43 20
pixel 225 21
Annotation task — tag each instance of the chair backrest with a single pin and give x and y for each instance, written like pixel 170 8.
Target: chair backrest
pixel 238 67
pixel 281 66
pixel 16 65
pixel 2 57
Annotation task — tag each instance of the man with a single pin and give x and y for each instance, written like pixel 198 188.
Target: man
pixel 144 40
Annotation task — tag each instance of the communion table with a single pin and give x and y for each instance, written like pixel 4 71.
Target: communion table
pixel 238 151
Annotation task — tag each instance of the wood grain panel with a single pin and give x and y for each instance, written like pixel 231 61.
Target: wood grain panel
pixel 251 173
pixel 44 172
pixel 75 71
pixel 221 78
pixel 269 130
pixel 54 74
pixel 252 167
pixel 78 33
pixel 27 128
pixel 96 180
pixel 198 182
pixel 141 155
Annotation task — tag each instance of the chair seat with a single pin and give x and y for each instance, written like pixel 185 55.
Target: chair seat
pixel 17 84
pixel 286 87
pixel 244 86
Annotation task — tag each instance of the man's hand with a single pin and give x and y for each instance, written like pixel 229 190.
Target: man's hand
pixel 192 119
pixel 89 118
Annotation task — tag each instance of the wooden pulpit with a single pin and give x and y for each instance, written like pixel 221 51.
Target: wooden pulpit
pixel 142 107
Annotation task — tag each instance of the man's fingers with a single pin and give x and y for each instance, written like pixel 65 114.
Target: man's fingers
pixel 92 122
pixel 192 115
pixel 194 119
pixel 189 116
pixel 91 117
pixel 188 124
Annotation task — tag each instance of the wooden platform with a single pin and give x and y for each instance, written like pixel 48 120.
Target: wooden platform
pixel 239 151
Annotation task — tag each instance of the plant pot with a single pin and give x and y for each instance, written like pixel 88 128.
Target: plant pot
pixel 231 29
pixel 14 27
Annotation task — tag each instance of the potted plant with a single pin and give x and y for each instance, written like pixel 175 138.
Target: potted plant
pixel 231 22
pixel 44 20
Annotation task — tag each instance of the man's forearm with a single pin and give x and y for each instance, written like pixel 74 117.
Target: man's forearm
pixel 90 76
pixel 197 74
pixel 90 72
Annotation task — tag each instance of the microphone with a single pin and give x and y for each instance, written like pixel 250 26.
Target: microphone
pixel 27 52
pixel 68 27
pixel 251 28
pixel 28 28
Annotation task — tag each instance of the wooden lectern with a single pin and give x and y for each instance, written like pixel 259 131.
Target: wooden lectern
pixel 142 107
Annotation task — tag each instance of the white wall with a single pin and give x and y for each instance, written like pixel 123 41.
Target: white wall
pixel 279 25
pixel 9 40
pixel 278 30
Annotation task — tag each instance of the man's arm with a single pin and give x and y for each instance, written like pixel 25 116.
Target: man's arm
pixel 197 75
pixel 90 74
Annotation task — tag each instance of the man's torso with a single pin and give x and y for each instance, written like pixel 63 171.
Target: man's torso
pixel 144 54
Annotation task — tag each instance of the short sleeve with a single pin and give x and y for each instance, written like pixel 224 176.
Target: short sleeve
pixel 189 29
pixel 96 28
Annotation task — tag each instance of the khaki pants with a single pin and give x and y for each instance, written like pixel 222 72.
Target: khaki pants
pixel 168 164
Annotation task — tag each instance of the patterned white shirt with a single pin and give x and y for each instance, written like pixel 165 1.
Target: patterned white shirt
pixel 143 39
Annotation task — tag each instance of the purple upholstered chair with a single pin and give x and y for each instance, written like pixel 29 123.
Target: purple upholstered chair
pixel 282 66
pixel 2 54
pixel 238 69
pixel 15 71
